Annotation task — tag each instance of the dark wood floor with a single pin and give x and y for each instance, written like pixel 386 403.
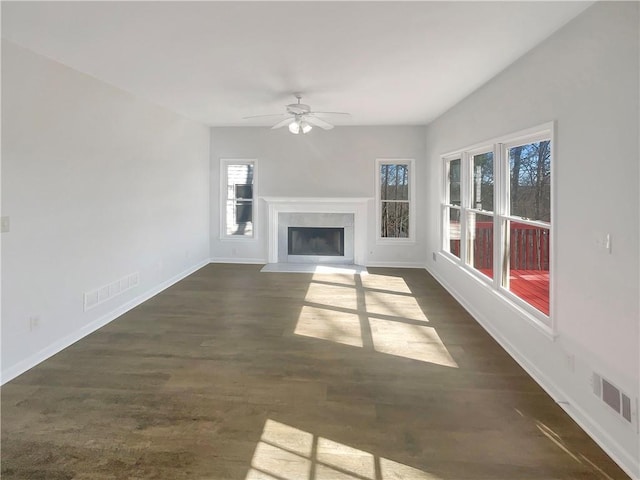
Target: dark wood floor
pixel 237 374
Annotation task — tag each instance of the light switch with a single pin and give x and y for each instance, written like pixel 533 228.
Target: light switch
pixel 5 224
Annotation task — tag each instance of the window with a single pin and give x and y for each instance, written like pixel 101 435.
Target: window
pixel 237 189
pixel 394 193
pixel 496 216
pixel 479 224
pixel 527 221
pixel 452 207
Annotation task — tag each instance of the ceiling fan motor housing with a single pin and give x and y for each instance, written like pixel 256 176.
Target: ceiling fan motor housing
pixel 298 108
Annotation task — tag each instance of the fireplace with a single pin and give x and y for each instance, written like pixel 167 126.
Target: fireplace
pixel 319 219
pixel 315 237
pixel 322 241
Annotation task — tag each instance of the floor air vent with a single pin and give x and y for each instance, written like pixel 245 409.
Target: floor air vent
pixel 614 397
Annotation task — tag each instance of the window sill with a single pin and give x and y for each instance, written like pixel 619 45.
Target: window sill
pixel 395 241
pixel 236 238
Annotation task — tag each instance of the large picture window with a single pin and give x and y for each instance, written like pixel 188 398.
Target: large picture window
pixel 394 193
pixel 496 216
pixel 237 188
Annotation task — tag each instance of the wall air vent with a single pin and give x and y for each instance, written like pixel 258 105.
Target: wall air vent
pixel 100 295
pixel 615 398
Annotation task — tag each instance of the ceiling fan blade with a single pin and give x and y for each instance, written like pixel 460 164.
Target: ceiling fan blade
pixel 264 116
pixel 329 113
pixel 318 122
pixel 283 123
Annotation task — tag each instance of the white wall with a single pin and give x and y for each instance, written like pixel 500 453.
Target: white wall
pixel 335 163
pixel 585 78
pixel 98 185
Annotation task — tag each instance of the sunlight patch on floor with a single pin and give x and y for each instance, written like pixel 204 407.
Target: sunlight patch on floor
pixel 561 444
pixel 287 453
pixel 344 458
pixel 385 282
pixel 403 306
pixel 417 342
pixel 555 438
pixel 329 325
pixel 333 295
pixel 373 318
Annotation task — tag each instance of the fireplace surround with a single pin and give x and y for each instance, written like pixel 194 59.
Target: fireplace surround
pixel 348 213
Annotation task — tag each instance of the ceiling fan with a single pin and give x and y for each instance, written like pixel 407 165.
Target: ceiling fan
pixel 300 118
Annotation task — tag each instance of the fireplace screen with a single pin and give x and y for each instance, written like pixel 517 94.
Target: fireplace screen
pixel 316 241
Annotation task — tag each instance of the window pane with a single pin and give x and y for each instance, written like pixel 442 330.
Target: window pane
pixel 530 181
pixel 394 182
pixel 395 220
pixel 244 191
pixel 240 180
pixel 454 182
pixel 480 242
pixel 529 264
pixel 482 187
pixel 239 217
pixel 454 231
pixel 239 209
pixel 244 211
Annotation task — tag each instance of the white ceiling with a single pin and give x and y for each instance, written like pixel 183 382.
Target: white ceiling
pixel 388 63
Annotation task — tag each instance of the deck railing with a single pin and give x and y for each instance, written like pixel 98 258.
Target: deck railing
pixel 529 246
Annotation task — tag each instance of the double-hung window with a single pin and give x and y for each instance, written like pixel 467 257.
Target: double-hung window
pixel 526 221
pixel 395 204
pixel 452 207
pixel 480 212
pixel 496 216
pixel 238 197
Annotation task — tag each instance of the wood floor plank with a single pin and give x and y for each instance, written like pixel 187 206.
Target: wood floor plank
pixel 237 374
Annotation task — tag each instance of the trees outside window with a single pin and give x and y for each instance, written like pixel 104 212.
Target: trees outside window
pixel 394 192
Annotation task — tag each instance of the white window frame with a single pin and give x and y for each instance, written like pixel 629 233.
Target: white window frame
pixel 446 205
pixel 224 164
pixel 467 207
pixel 410 163
pixel 504 215
pixel 501 214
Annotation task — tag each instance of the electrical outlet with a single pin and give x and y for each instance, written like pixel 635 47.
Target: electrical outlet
pixel 434 256
pixel 571 362
pixel 5 224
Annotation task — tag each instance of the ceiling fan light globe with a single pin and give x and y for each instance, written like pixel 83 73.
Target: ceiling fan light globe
pixel 294 127
pixel 306 128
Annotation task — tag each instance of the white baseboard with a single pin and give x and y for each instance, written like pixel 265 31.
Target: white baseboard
pixel 59 345
pixel 262 261
pixel 396 264
pixel 250 261
pixel 619 455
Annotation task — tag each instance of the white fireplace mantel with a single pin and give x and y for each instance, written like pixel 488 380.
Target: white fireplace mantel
pixel 355 205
